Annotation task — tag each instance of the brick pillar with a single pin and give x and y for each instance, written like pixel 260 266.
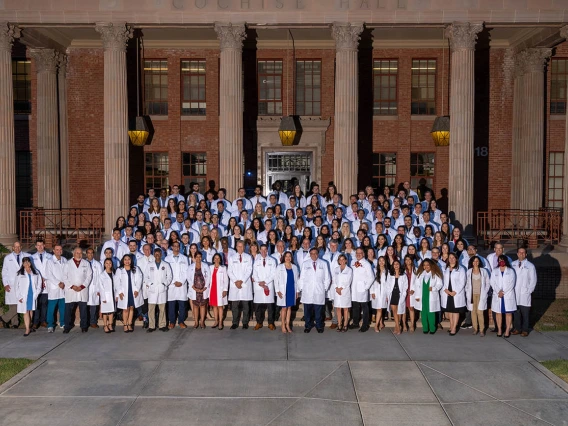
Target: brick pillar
pixel 63 130
pixel 345 160
pixel 231 157
pixel 463 37
pixel 116 171
pixel 8 33
pixel 564 242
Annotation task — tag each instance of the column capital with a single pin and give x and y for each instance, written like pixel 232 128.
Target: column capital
pixel 463 35
pixel 62 62
pixel 564 31
pixel 230 35
pixel 8 32
pixel 346 35
pixel 531 60
pixel 115 36
pixel 45 60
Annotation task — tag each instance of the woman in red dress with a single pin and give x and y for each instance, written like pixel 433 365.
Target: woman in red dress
pixel 218 290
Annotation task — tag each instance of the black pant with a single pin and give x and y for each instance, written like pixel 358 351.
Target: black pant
pixel 236 307
pixel 521 318
pixel 261 310
pixel 93 314
pixel 40 314
pixel 357 307
pixel 70 315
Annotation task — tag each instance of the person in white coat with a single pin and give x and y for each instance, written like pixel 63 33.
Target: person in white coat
pixel 78 276
pixel 128 281
pixel 142 263
pixel 526 283
pixel 178 292
pixel 94 296
pixel 198 277
pixel 427 285
pixel 27 288
pixel 477 286
pixel 40 260
pixel 314 282
pixel 240 288
pixel 286 286
pixel 504 301
pixel 453 292
pixel 55 273
pixel 217 290
pixel 119 249
pixel 379 293
pixel 410 272
pixel 332 258
pixel 263 288
pixel 11 266
pixel 105 285
pixel 397 286
pixel 363 278
pixel 340 292
pixel 157 279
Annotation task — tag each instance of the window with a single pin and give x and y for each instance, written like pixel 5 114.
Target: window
pixel 555 179
pixel 270 87
pixel 21 78
pixel 308 87
pixel 157 170
pixel 384 171
pixel 422 167
pixel 385 73
pixel 558 78
pixel 194 169
pixel 423 87
pixel 193 87
pixel 24 186
pixel 156 87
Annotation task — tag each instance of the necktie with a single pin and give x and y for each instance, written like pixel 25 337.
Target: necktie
pixel 417 221
pixel 18 258
pixel 240 258
pixel 314 266
pixel 116 248
pixel 41 259
pixel 225 257
pixel 520 264
pixel 263 262
pixel 332 254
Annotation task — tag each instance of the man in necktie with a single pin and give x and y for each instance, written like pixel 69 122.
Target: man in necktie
pixel 240 288
pixel 40 260
pixel 524 287
pixel 94 299
pixel 331 257
pixel 11 266
pixel 263 274
pixel 314 282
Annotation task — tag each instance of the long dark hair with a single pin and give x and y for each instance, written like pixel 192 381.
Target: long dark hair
pixel 132 264
pixel 21 271
pixel 111 265
pixel 378 275
pixel 291 257
pixel 500 258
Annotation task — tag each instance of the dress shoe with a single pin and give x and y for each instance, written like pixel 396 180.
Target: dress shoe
pixel 307 330
pixel 36 326
pixel 94 326
pixel 43 324
pixel 524 334
pixel 271 327
pixel 245 326
pixel 353 326
pixel 320 330
pixel 363 329
pixel 150 330
pixel 515 332
pixel 257 326
pixel 146 324
pixel 84 330
pixel 333 326
pixel 328 318
pixel 234 327
pixel 182 325
pixel 171 326
pixel 65 331
pixel 165 329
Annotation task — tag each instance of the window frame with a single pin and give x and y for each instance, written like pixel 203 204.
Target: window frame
pixel 420 99
pixel 201 179
pixel 161 101
pixel 165 178
pixel 379 100
pixel 555 202
pixel 202 103
pixel 378 178
pixel 296 85
pixel 555 100
pixel 28 86
pixel 271 101
pixel 414 177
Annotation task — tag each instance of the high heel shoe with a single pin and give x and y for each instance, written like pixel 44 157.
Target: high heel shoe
pixel 195 326
pixel 339 329
pixel 125 327
pixel 202 326
pixel 106 330
pixel 214 326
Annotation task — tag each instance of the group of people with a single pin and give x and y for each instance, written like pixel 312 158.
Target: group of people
pixel 348 263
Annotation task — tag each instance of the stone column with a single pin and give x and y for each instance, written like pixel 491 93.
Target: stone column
pixel 463 37
pixel 63 130
pixel 518 119
pixel 345 130
pixel 231 157
pixel 564 242
pixel 8 33
pixel 48 195
pixel 116 171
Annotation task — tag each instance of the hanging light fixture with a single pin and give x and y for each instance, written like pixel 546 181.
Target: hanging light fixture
pixel 290 129
pixel 441 129
pixel 140 128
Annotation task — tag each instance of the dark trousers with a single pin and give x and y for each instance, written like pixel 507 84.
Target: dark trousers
pixel 40 314
pixel 313 312
pixel 238 306
pixel 357 308
pixel 521 318
pixel 142 310
pixel 70 315
pixel 261 310
pixel 177 309
pixel 93 315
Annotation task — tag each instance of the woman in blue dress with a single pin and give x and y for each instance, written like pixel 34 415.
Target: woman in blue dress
pixel 286 286
pixel 28 287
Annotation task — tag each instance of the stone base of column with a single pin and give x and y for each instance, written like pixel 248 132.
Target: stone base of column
pixel 8 240
pixel 563 246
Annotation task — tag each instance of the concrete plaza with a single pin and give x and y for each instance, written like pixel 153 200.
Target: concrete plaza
pixel 235 377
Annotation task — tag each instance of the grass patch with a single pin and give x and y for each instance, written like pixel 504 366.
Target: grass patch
pixel 9 367
pixel 550 315
pixel 558 367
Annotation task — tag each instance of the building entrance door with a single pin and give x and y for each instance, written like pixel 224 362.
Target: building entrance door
pixel 289 168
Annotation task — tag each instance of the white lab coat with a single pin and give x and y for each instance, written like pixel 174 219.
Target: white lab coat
pixel 380 290
pixel 142 264
pixel 301 257
pixel 179 274
pixel 21 287
pixel 122 248
pixel 505 282
pixel 55 275
pixel 10 268
pixel 403 286
pixel 264 273
pixel 313 284
pixel 156 282
pixel 94 299
pixel 207 255
pixel 205 270
pixel 458 285
pixel 343 280
pixel 121 286
pixel 281 277
pixel 485 285
pixel 240 271
pixel 222 278
pixel 526 282
pixel 363 278
pixel 79 276
pixel 436 283
pixel 41 268
pixel 105 287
